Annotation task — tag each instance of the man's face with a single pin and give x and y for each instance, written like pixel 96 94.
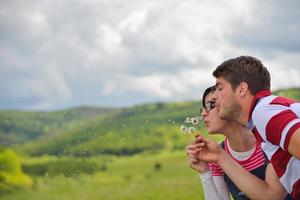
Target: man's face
pixel 226 101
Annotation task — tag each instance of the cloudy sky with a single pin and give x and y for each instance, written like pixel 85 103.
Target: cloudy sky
pixel 58 54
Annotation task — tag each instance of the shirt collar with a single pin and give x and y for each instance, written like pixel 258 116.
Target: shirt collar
pixel 258 95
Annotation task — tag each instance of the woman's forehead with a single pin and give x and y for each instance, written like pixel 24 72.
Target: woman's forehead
pixel 208 97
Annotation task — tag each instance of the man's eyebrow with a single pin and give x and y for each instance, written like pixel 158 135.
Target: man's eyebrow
pixel 213 89
pixel 217 84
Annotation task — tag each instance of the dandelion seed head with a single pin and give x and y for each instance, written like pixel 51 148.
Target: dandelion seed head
pixel 195 121
pixel 192 130
pixel 183 129
pixel 191 125
pixel 188 120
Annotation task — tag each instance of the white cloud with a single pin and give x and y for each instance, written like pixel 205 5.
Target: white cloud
pixel 284 69
pixel 166 86
pixel 62 53
pixel 108 39
pixel 134 21
pixel 37 23
pixel 47 86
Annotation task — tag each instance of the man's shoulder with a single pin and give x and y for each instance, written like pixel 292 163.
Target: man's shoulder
pixel 264 103
pixel 273 101
pixel 271 106
pixel 266 108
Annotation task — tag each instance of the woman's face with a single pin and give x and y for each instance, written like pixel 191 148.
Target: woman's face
pixel 211 117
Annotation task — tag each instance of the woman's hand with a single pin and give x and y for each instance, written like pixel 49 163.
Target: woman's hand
pixel 194 163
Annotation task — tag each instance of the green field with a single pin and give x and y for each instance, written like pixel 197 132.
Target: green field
pixel 125 178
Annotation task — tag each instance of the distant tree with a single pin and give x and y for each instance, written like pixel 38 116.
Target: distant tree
pixel 160 106
pixel 157 166
pixel 11 174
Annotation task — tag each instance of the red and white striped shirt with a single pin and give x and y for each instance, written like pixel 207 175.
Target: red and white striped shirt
pixel 275 119
pixel 256 160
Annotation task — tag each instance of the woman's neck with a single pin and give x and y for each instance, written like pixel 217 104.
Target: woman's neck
pixel 239 137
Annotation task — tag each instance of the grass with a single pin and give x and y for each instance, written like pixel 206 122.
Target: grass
pixel 126 178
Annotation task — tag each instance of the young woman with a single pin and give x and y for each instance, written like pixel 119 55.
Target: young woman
pixel 242 146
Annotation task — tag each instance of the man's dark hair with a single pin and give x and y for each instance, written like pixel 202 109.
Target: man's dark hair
pixel 206 92
pixel 244 69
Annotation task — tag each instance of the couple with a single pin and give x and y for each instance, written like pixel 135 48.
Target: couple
pixel 259 158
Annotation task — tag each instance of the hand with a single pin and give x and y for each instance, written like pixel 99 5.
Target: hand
pixel 194 163
pixel 207 149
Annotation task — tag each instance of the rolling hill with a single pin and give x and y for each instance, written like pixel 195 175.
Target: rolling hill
pixel 90 131
pixel 17 127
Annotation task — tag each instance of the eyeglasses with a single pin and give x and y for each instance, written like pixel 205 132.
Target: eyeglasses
pixel 208 106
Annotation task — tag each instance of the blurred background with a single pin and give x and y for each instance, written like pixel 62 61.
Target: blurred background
pixel 92 93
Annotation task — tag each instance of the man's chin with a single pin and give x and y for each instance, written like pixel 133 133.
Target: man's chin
pixel 224 116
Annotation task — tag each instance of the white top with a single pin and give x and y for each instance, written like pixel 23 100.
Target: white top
pixel 276 120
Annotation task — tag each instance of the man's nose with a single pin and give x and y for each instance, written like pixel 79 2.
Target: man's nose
pixel 215 95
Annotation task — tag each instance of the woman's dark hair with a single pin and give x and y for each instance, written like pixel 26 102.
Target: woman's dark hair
pixel 206 92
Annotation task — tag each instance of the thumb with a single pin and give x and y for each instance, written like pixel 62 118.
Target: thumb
pixel 202 139
pixel 198 133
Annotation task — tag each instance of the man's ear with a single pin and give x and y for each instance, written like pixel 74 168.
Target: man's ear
pixel 242 89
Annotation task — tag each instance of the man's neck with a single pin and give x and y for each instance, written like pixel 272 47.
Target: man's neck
pixel 244 114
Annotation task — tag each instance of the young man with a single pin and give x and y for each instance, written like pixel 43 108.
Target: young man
pixel 241 146
pixel 243 94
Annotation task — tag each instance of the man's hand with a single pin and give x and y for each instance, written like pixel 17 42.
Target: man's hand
pixel 207 149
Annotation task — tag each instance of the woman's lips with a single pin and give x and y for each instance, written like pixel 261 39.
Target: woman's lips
pixel 206 123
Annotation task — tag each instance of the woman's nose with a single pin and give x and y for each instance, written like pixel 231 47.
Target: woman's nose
pixel 203 113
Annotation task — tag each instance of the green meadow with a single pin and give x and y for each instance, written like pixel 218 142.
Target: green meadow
pixel 100 153
pixel 146 176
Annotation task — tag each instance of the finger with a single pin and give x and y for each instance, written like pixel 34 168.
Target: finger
pixel 194 161
pixel 189 149
pixel 198 139
pixel 197 134
pixel 192 157
pixel 201 144
pixel 198 150
pixel 192 152
pixel 195 151
pixel 192 147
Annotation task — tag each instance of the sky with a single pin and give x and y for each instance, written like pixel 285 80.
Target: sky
pixel 58 54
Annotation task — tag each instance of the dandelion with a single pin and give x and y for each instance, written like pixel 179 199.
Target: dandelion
pixel 187 120
pixel 192 130
pixel 192 122
pixel 195 121
pixel 183 129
